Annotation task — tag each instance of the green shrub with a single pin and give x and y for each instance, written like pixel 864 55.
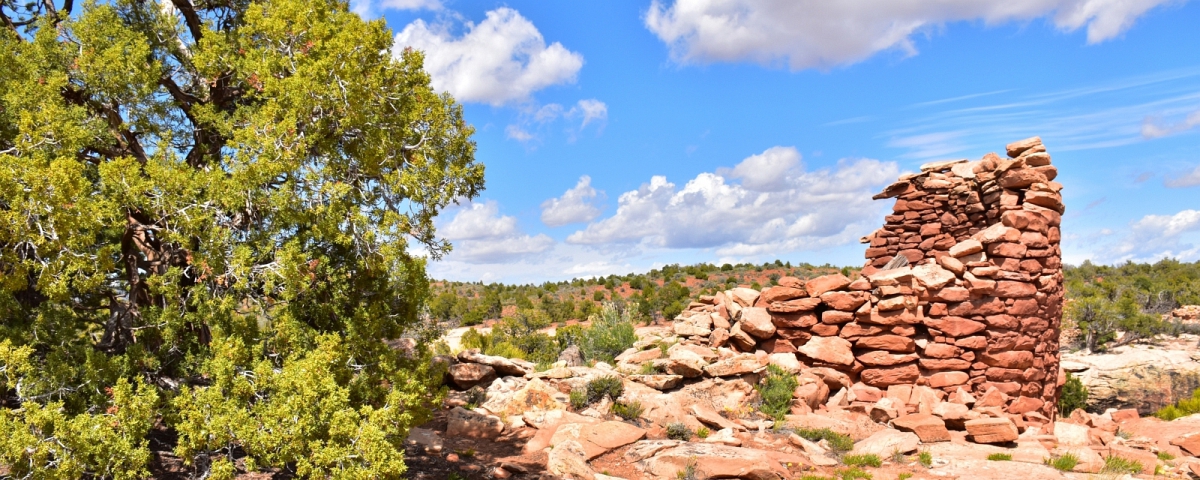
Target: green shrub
pixel 598 295
pixel 1074 395
pixel 814 477
pixel 838 443
pixel 925 459
pixel 1063 463
pixel 610 386
pixel 1182 408
pixel 1166 457
pixel 904 476
pixel 702 433
pixel 864 460
pixel 776 392
pixel 579 399
pixel 854 473
pixel 628 410
pixel 999 457
pixel 610 334
pixel 678 431
pixel 475 397
pixel 1115 464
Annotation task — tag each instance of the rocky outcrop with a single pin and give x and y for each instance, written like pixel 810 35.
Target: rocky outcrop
pixel 962 290
pixel 1143 377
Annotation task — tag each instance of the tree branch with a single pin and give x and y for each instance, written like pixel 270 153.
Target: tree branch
pixel 195 26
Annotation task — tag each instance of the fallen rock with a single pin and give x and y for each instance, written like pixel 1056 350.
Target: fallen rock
pixel 1189 443
pixel 835 350
pixel 720 461
pixel 991 430
pixel 503 366
pixel 1070 434
pixel 567 459
pixel 467 375
pixel 885 443
pixel 927 427
pixel 465 423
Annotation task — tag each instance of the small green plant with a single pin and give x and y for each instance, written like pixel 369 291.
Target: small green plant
pixel 1166 457
pixel 455 476
pixel 475 397
pixel 815 477
pixel 678 431
pixel 1063 463
pixel 610 386
pixel 631 410
pixel 702 433
pixel 1000 457
pixel 1182 408
pixel 579 399
pixel 1074 395
pixel 904 476
pixel 466 453
pixel 1124 435
pixel 854 473
pixel 648 368
pixel 689 471
pixel 1115 464
pixel 897 456
pixel 838 443
pixel 864 460
pixel 925 459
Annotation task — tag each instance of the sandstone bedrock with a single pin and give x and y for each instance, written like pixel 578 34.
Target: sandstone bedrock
pixel 961 291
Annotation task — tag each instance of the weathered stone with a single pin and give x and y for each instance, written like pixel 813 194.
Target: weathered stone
pixel 1189 443
pixel 827 283
pixel 658 382
pixel 465 423
pixel 502 366
pixel 886 443
pixel 947 379
pixel 792 306
pixel 927 427
pixel 966 247
pixel 467 375
pixel 932 276
pixel 845 301
pixel 954 326
pixel 757 322
pixel 744 297
pixel 834 350
pixel 891 343
pixel 882 377
pixel 1015 149
pixel 885 359
pixel 781 293
pixel 720 461
pixel 991 430
pixel 567 459
pixel 736 365
pixel 612 434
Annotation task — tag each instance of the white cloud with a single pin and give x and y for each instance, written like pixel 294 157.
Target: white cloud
pixel 517 133
pixel 1186 179
pixel 592 110
pixel 480 234
pixel 798 210
pixel 1153 127
pixel 500 60
pixel 574 206
pixel 821 34
pixel 1155 237
pixel 534 117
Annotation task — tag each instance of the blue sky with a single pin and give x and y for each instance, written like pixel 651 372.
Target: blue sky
pixel 622 136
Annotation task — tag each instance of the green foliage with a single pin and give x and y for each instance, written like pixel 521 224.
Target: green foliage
pixel 1074 395
pixel 1128 298
pixel 579 399
pixel 925 458
pixel 678 431
pixel 628 410
pixel 1182 408
pixel 812 477
pixel 854 473
pixel 864 460
pixel 1166 457
pixel 838 443
pixel 1118 465
pixel 1063 463
pixel 610 334
pixel 206 217
pixel 904 476
pixel 475 397
pixel 702 433
pixel 776 392
pixel 999 457
pixel 648 368
pixel 598 296
pixel 689 471
pixel 610 386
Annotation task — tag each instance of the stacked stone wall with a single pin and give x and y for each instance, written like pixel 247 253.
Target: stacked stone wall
pixel 961 293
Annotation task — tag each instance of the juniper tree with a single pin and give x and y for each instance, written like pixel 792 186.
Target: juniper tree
pixel 208 216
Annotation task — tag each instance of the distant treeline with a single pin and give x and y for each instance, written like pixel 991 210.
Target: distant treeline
pixel 1130 298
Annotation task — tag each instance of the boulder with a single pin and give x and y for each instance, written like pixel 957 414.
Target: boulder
pixel 571 356
pixel 756 321
pixel 1188 443
pixel 612 434
pixel 888 442
pixel 991 430
pixel 466 423
pixel 503 366
pixel 534 395
pixel 927 427
pixel 736 365
pixel 567 459
pixel 467 375
pixel 834 350
pixel 1071 434
pixel 744 297
pixel 658 382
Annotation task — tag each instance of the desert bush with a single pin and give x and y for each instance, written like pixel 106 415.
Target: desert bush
pixel 999 457
pixel 610 386
pixel 838 443
pixel 631 410
pixel 702 433
pixel 610 334
pixel 579 399
pixel 1074 395
pixel 1182 408
pixel 776 392
pixel 678 431
pixel 853 473
pixel 864 460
